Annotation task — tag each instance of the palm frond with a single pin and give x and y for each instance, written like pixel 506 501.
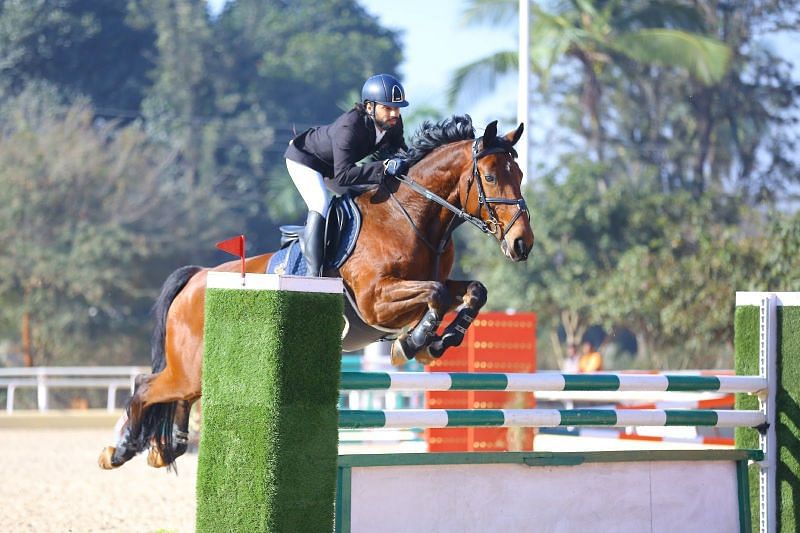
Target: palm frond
pixel 490 12
pixel 706 58
pixel 662 14
pixel 482 74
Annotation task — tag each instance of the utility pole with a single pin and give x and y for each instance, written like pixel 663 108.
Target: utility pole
pixel 523 95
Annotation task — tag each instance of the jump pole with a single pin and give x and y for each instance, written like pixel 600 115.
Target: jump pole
pixel 271 364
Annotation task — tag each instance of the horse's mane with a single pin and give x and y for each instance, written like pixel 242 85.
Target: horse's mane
pixel 430 136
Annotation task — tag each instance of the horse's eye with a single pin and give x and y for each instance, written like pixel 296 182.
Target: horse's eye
pixel 489 178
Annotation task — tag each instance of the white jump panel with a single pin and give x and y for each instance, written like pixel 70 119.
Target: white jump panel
pixel 651 496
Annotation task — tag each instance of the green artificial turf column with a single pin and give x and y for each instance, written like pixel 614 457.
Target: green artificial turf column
pixel 271 366
pixel 787 401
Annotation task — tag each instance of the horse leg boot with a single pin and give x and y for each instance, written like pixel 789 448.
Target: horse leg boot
pixel 314 243
pixel 454 333
pixel 406 347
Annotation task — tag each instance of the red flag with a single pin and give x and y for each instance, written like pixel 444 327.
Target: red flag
pixel 234 246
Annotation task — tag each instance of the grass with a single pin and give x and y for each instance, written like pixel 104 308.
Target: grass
pixel 268 450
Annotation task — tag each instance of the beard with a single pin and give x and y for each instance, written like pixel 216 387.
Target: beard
pixel 385 125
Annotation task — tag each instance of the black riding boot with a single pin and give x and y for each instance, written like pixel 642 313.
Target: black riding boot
pixel 313 243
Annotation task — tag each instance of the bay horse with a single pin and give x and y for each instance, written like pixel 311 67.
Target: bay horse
pixel 397 275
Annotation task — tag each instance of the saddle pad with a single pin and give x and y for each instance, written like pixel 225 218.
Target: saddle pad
pixel 288 260
pixel 350 225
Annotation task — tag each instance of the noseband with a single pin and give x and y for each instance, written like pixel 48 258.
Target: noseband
pixel 493 225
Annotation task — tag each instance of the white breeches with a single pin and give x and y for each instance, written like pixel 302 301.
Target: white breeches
pixel 312 186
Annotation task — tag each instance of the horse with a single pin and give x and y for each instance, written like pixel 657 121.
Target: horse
pixel 398 279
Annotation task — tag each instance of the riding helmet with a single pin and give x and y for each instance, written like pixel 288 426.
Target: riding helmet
pixel 384 89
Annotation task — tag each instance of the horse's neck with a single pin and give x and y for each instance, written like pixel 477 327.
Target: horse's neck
pixel 440 175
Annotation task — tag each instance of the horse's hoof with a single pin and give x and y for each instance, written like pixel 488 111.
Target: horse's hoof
pixel 424 357
pixel 398 355
pixel 154 458
pixel 104 461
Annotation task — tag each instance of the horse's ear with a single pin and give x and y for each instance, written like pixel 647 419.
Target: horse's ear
pixel 489 134
pixel 514 136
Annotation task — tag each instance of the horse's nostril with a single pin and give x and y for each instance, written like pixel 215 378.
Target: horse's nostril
pixel 520 247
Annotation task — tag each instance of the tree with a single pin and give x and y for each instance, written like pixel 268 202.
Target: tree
pixel 580 234
pixel 164 133
pixel 230 92
pixel 81 46
pixel 598 34
pixel 86 211
pixel 729 138
pixel 663 266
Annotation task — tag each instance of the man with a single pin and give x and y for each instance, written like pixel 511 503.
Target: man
pixel 322 160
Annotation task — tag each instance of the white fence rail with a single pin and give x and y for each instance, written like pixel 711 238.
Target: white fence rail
pixel 44 378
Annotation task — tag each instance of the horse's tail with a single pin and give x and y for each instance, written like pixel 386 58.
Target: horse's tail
pixel 172 286
pixel 158 418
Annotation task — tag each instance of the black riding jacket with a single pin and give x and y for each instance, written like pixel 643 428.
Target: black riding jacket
pixel 334 150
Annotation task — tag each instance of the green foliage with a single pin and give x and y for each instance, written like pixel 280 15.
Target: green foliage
pixel 663 266
pixel 85 211
pixel 685 195
pixel 134 135
pixel 593 33
pixel 706 58
pixel 326 47
pixel 77 45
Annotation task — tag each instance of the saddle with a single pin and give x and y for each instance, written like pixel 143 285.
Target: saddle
pixel 343 224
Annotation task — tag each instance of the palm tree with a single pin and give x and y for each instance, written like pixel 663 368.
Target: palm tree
pixel 599 34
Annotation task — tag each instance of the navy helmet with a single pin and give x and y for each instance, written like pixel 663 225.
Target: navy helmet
pixel 384 89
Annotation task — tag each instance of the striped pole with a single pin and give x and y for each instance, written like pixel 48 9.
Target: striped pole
pixel 440 418
pixel 620 434
pixel 723 402
pixel 548 381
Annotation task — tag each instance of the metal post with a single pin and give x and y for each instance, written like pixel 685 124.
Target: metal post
pixel 112 398
pixel 767 367
pixel 10 398
pixel 523 94
pixel 41 390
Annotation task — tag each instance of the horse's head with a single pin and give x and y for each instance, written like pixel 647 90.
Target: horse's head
pixel 493 192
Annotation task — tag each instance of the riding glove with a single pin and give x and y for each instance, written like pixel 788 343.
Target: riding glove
pixel 395 167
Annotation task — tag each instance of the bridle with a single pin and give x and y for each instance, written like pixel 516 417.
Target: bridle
pixel 491 227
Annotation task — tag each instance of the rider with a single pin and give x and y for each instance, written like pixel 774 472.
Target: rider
pixel 322 160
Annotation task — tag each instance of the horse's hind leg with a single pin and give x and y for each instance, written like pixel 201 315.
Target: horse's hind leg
pixel 473 296
pixel 127 430
pixel 180 437
pixel 151 414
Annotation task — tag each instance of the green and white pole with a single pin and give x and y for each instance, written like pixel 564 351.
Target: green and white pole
pixel 441 418
pixel 549 382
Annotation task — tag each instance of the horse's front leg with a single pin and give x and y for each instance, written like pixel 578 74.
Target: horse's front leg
pixel 402 301
pixel 472 295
